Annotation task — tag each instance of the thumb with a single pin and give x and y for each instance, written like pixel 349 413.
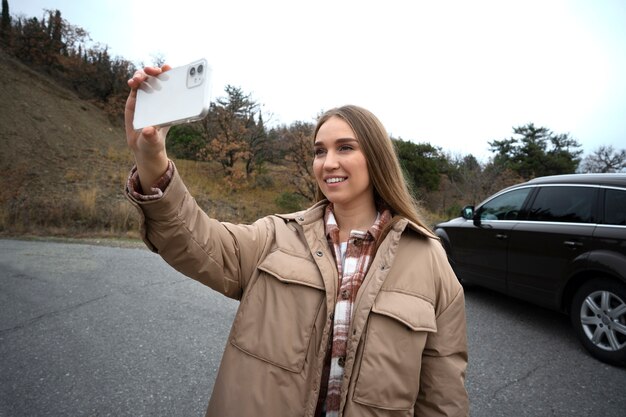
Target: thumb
pixel 150 134
pixel 152 138
pixel 155 134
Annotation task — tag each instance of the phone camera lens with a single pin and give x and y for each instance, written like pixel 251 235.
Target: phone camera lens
pixel 200 69
pixel 192 71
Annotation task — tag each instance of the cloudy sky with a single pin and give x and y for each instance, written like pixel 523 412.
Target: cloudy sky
pixel 456 74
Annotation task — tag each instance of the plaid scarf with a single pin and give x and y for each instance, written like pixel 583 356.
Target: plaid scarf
pixel 353 260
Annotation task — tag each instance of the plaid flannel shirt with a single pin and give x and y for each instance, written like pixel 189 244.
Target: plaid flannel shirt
pixel 353 261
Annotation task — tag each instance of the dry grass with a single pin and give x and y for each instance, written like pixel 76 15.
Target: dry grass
pixel 245 202
pixel 92 203
pixel 87 200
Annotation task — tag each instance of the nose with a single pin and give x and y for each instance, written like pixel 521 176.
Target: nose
pixel 331 162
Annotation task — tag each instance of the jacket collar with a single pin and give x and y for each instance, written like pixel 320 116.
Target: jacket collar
pixel 403 224
pixel 316 213
pixel 308 216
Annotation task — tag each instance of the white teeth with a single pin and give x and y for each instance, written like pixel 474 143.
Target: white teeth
pixel 334 180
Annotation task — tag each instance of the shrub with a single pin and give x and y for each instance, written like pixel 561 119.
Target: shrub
pixel 289 202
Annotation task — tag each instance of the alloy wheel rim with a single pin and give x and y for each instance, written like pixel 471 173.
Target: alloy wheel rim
pixel 603 319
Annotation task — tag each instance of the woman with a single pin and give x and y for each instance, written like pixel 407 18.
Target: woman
pixel 348 308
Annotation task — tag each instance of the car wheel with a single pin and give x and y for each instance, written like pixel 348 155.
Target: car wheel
pixel 598 315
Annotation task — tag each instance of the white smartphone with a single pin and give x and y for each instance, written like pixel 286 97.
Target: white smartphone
pixel 180 95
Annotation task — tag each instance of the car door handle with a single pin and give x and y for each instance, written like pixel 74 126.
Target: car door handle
pixel 572 244
pixel 502 236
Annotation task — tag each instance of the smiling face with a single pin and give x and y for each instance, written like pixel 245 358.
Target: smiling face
pixel 340 166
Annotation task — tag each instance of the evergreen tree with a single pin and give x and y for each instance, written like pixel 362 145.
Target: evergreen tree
pixel 422 164
pixel 536 152
pixel 56 32
pixel 5 23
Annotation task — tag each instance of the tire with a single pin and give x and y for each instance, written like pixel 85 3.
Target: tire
pixel 598 314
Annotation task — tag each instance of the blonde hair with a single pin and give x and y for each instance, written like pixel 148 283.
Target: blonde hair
pixel 390 188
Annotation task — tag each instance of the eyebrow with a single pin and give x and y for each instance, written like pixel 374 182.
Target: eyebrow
pixel 339 141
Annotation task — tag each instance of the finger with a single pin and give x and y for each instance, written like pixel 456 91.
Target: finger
pixel 129 113
pixel 154 71
pixel 138 77
pixel 141 75
pixel 129 110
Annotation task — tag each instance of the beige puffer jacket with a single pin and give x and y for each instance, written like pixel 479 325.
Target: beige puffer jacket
pixel 407 351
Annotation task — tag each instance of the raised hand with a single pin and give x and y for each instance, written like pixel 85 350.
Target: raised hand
pixel 148 145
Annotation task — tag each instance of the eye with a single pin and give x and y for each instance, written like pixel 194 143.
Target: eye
pixel 344 148
pixel 319 151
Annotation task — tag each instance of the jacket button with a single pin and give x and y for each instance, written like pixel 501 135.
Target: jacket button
pixel 319 253
pixel 301 219
pixel 341 361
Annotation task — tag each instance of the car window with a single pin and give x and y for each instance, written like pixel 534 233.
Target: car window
pixel 615 207
pixel 505 206
pixel 563 204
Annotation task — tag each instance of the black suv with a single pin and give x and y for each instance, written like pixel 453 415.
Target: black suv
pixel 557 241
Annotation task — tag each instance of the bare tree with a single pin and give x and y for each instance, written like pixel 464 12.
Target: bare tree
pixel 604 159
pixel 299 137
pixel 226 128
pixel 235 132
pixel 158 59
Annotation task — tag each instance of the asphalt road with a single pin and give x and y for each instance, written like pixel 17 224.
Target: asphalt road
pixel 101 331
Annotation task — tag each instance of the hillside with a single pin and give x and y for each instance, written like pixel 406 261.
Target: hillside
pixel 64 164
pixel 56 150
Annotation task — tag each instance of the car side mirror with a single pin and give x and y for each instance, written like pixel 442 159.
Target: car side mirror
pixel 467 212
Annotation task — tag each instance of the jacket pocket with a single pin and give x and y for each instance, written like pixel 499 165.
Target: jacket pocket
pixel 276 318
pixel 389 373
